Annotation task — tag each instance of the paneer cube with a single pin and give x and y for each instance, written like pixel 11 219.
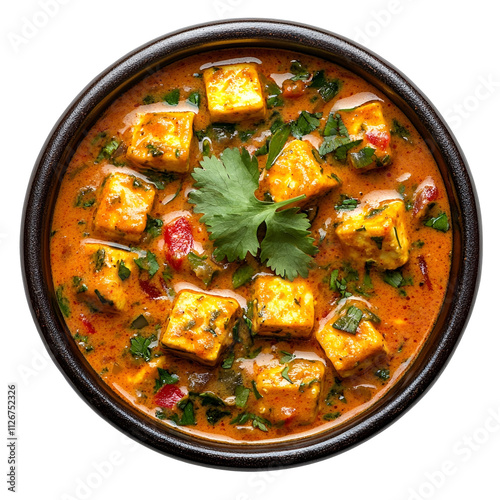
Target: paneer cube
pixel 377 234
pixel 368 124
pixel 234 93
pixel 163 141
pixel 291 392
pixel 352 353
pixel 296 171
pixel 282 308
pixel 200 325
pixel 100 284
pixel 124 204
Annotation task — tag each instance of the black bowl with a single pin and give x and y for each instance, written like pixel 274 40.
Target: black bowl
pixel 83 113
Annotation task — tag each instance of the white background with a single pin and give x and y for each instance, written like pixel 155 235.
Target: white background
pixel 446 447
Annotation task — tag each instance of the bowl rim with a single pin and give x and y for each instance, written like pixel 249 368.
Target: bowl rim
pixel 121 75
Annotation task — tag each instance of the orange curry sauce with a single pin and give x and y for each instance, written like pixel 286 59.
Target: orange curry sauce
pixel 276 382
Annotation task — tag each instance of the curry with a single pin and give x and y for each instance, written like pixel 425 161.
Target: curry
pixel 251 245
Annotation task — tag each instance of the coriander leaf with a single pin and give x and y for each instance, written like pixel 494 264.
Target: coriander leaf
pixel 85 197
pixel 241 394
pixel 299 71
pixel 210 399
pixel 123 270
pixel 172 97
pixel 103 299
pixel 337 145
pixel 383 374
pixel 287 245
pixel 201 267
pixel 242 275
pixel 215 414
pixel 154 150
pixel 378 240
pixel 287 357
pixel 256 392
pixel 401 131
pixel 108 150
pixel 153 226
pixel 188 417
pixel 165 377
pixel 277 143
pixel 350 321
pixel 273 94
pixel 393 278
pixel 139 347
pixel 62 301
pixel 440 223
pixel 335 126
pixel 158 178
pixel 148 263
pixel 194 98
pixel 331 416
pixel 228 362
pixel 305 124
pixel 284 374
pixel 233 215
pixel 139 322
pixel 346 203
pixel 148 99
pixel 327 88
pixel 363 157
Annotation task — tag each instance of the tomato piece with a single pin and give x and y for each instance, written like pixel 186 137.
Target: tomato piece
pixel 293 89
pixel 150 290
pixel 423 196
pixel 168 396
pixel 179 241
pixel 378 139
pixel 89 327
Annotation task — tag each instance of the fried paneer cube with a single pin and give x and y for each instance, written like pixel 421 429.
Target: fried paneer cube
pixel 376 234
pixel 368 124
pixel 200 325
pixel 291 392
pixel 124 203
pixel 351 353
pixel 282 308
pixel 234 93
pixel 163 141
pixel 296 171
pixel 102 283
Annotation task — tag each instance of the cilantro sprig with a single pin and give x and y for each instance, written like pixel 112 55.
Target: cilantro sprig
pixel 225 196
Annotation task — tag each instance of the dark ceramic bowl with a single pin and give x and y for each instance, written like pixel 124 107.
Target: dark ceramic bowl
pixel 82 114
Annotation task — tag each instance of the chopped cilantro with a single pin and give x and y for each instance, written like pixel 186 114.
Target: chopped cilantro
pixel 383 374
pixel 148 263
pixel 299 71
pixel 242 275
pixel 63 301
pixel 331 416
pixel 287 357
pixel 350 321
pixel 215 414
pixel 228 362
pixel 327 88
pixel 85 197
pixel 440 223
pixel 241 394
pixel 164 378
pixel 401 131
pixel 188 417
pixel 284 374
pixel 153 226
pixel 305 124
pixel 123 271
pixel 363 157
pixel 139 322
pixel 276 144
pixel 172 97
pixel 103 299
pixel 257 421
pixel 108 150
pixel 256 392
pixel 154 151
pixel 194 98
pixel 139 347
pixel 346 203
